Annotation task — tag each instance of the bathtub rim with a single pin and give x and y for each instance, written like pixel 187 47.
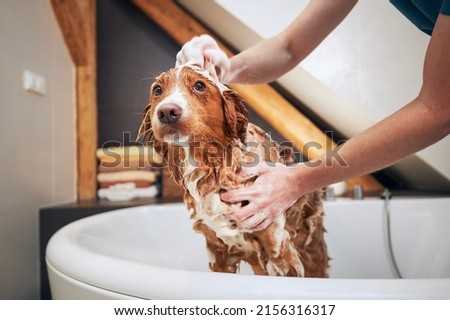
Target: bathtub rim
pixel 437 288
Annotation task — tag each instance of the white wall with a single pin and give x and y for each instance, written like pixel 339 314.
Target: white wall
pixel 370 66
pixel 37 154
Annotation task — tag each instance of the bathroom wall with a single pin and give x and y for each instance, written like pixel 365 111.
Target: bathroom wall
pixel 37 153
pixel 370 66
pixel 131 51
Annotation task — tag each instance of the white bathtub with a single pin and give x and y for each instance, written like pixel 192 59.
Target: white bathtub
pixel 151 252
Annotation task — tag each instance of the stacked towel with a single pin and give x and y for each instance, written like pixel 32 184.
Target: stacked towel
pixel 126 173
pixel 141 178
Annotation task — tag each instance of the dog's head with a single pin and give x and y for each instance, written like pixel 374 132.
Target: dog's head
pixel 189 105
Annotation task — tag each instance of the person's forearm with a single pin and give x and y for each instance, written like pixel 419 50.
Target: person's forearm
pixel 419 124
pixel 405 132
pixel 271 58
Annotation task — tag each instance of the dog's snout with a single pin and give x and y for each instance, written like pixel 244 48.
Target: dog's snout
pixel 169 113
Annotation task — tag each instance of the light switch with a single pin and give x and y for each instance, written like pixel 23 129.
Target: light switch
pixel 33 82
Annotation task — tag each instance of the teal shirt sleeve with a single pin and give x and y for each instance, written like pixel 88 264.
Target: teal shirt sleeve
pixel 423 13
pixel 445 8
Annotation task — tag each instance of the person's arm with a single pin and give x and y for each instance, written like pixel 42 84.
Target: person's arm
pixel 273 57
pixel 422 122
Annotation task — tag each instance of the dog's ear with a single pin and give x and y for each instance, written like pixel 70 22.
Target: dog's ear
pixel 236 115
pixel 145 133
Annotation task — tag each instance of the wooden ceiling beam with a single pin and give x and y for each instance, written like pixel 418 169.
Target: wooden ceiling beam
pixel 77 21
pixel 72 21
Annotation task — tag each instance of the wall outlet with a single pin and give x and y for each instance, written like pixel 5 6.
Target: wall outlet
pixel 33 82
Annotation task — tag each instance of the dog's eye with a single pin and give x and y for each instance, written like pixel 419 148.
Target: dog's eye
pixel 157 91
pixel 199 86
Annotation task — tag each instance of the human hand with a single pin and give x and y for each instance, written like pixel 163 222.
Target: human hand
pixel 201 50
pixel 274 190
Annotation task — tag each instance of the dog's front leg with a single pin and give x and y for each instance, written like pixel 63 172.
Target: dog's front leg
pixel 219 255
pixel 282 258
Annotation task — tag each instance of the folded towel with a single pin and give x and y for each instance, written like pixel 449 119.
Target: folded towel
pixel 129 166
pixel 114 156
pixel 132 175
pixel 149 192
pixel 126 192
pixel 119 192
pixel 137 183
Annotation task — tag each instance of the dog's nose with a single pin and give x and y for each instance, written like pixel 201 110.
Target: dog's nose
pixel 169 113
